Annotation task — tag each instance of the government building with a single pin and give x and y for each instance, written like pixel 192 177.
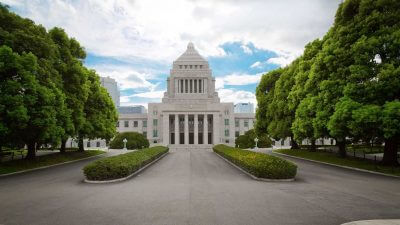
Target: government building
pixel 190 112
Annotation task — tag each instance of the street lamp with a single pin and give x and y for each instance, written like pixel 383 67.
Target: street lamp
pixel 124 143
pixel 256 140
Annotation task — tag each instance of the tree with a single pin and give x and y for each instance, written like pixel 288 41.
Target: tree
pixel 247 140
pixel 101 114
pixel 134 141
pixel 373 80
pixel 283 116
pixel 74 82
pixel 264 95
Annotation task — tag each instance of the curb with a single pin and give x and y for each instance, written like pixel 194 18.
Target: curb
pixel 340 166
pixel 124 178
pixel 44 167
pixel 251 175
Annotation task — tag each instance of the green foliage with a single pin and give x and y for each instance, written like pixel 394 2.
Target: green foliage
pixel 259 164
pixel 122 165
pixel 247 140
pixel 47 95
pixel 342 85
pixel 135 141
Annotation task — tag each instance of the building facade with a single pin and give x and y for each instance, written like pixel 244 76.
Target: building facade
pixel 244 108
pixel 190 112
pixel 112 88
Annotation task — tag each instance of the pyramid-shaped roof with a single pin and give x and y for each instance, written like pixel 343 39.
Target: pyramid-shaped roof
pixel 190 55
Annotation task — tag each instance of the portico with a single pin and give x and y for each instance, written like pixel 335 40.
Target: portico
pixel 189 128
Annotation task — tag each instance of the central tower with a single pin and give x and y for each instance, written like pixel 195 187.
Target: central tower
pixel 190 80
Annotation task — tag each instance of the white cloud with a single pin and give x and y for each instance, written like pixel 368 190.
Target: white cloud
pixel 236 96
pixel 256 65
pixel 159 30
pixel 282 60
pixel 127 78
pixel 237 80
pixel 246 49
pixel 150 94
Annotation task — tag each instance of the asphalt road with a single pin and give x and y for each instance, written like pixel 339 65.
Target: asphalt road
pixel 198 187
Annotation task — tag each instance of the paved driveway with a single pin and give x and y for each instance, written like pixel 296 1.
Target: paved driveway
pixel 197 187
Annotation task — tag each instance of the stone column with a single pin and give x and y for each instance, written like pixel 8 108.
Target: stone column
pixel 196 129
pixel 206 86
pixel 216 128
pixel 205 131
pixel 176 129
pixel 165 128
pixel 186 129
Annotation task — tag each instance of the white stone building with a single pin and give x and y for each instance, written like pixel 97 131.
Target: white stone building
pixel 190 112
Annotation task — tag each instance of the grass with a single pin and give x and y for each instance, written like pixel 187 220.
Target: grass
pixel 45 160
pixel 334 159
pixel 121 166
pixel 259 164
pixel 364 148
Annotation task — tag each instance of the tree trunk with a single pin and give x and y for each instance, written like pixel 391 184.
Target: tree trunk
pixel 63 144
pixel 80 145
pixel 390 152
pixel 293 143
pixel 31 151
pixel 313 147
pixel 341 148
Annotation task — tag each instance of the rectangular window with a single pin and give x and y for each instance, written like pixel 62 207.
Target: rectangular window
pixel 135 123
pixel 126 123
pixel 88 144
pixel 236 133
pixel 226 132
pixel 155 122
pixel 98 144
pixel 181 86
pixel 200 89
pixel 180 66
pixel 144 123
pixel 155 133
pixel 186 86
pixel 145 134
pixel 246 123
pixel 155 112
pixel 226 122
pixel 236 123
pixel 195 86
pixel 117 123
pixel 191 86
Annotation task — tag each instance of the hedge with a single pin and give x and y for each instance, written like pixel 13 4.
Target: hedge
pixel 121 166
pixel 135 141
pixel 259 164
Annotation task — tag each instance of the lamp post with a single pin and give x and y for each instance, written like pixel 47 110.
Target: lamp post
pixel 256 140
pixel 124 143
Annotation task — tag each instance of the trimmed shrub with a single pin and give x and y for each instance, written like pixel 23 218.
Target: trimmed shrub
pixel 120 166
pixel 247 140
pixel 135 141
pixel 259 164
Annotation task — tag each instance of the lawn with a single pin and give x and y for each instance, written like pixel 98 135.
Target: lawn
pixel 349 161
pixel 45 160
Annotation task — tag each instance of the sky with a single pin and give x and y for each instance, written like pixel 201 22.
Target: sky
pixel 136 41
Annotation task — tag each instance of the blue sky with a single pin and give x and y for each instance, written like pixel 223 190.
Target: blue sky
pixel 135 42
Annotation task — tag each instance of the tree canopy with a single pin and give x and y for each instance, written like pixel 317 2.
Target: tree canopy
pixel 47 95
pixel 344 86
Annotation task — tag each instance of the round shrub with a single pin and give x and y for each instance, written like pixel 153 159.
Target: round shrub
pixel 247 140
pixel 259 164
pixel 135 141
